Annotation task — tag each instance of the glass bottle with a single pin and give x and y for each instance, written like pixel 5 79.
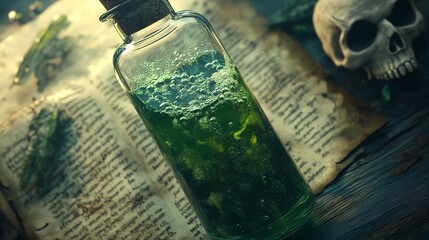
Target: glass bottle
pixel 221 147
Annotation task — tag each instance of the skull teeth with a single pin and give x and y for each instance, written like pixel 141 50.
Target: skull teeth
pixel 414 62
pixel 386 76
pixel 398 72
pixel 391 76
pixel 402 70
pixel 409 67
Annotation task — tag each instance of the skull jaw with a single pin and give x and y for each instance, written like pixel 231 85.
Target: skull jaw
pixel 389 67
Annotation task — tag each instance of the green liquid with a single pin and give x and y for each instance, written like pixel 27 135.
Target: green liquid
pixel 230 163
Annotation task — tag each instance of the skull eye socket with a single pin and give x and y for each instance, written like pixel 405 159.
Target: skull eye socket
pixel 402 14
pixel 361 35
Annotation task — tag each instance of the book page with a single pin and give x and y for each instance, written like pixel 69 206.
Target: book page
pixel 103 186
pixel 111 181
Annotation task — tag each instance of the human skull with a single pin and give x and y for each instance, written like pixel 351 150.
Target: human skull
pixel 374 34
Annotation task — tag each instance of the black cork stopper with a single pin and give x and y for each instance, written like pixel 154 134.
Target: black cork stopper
pixel 109 4
pixel 134 15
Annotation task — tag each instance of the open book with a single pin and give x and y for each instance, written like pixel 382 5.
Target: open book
pixel 110 180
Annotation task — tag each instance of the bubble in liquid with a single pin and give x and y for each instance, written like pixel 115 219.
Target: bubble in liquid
pixel 215 93
pixel 192 89
pixel 150 89
pixel 228 95
pixel 202 92
pixel 193 78
pixel 230 124
pixel 175 78
pixel 184 83
pixel 164 104
pixel 213 119
pixel 224 90
pixel 264 180
pixel 169 109
pixel 159 98
pixel 182 91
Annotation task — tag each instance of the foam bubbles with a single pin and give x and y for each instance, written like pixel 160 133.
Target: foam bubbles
pixel 206 81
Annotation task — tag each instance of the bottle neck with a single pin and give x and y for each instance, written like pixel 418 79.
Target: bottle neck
pixel 132 16
pixel 151 33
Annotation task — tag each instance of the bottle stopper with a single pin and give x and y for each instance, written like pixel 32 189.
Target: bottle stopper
pixel 134 15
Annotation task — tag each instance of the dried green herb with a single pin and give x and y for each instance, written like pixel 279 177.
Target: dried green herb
pixel 46 55
pixel 295 16
pixel 41 159
pixel 386 93
pixel 294 11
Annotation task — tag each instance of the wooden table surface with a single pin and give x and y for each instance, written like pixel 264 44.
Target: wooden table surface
pixel 384 193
